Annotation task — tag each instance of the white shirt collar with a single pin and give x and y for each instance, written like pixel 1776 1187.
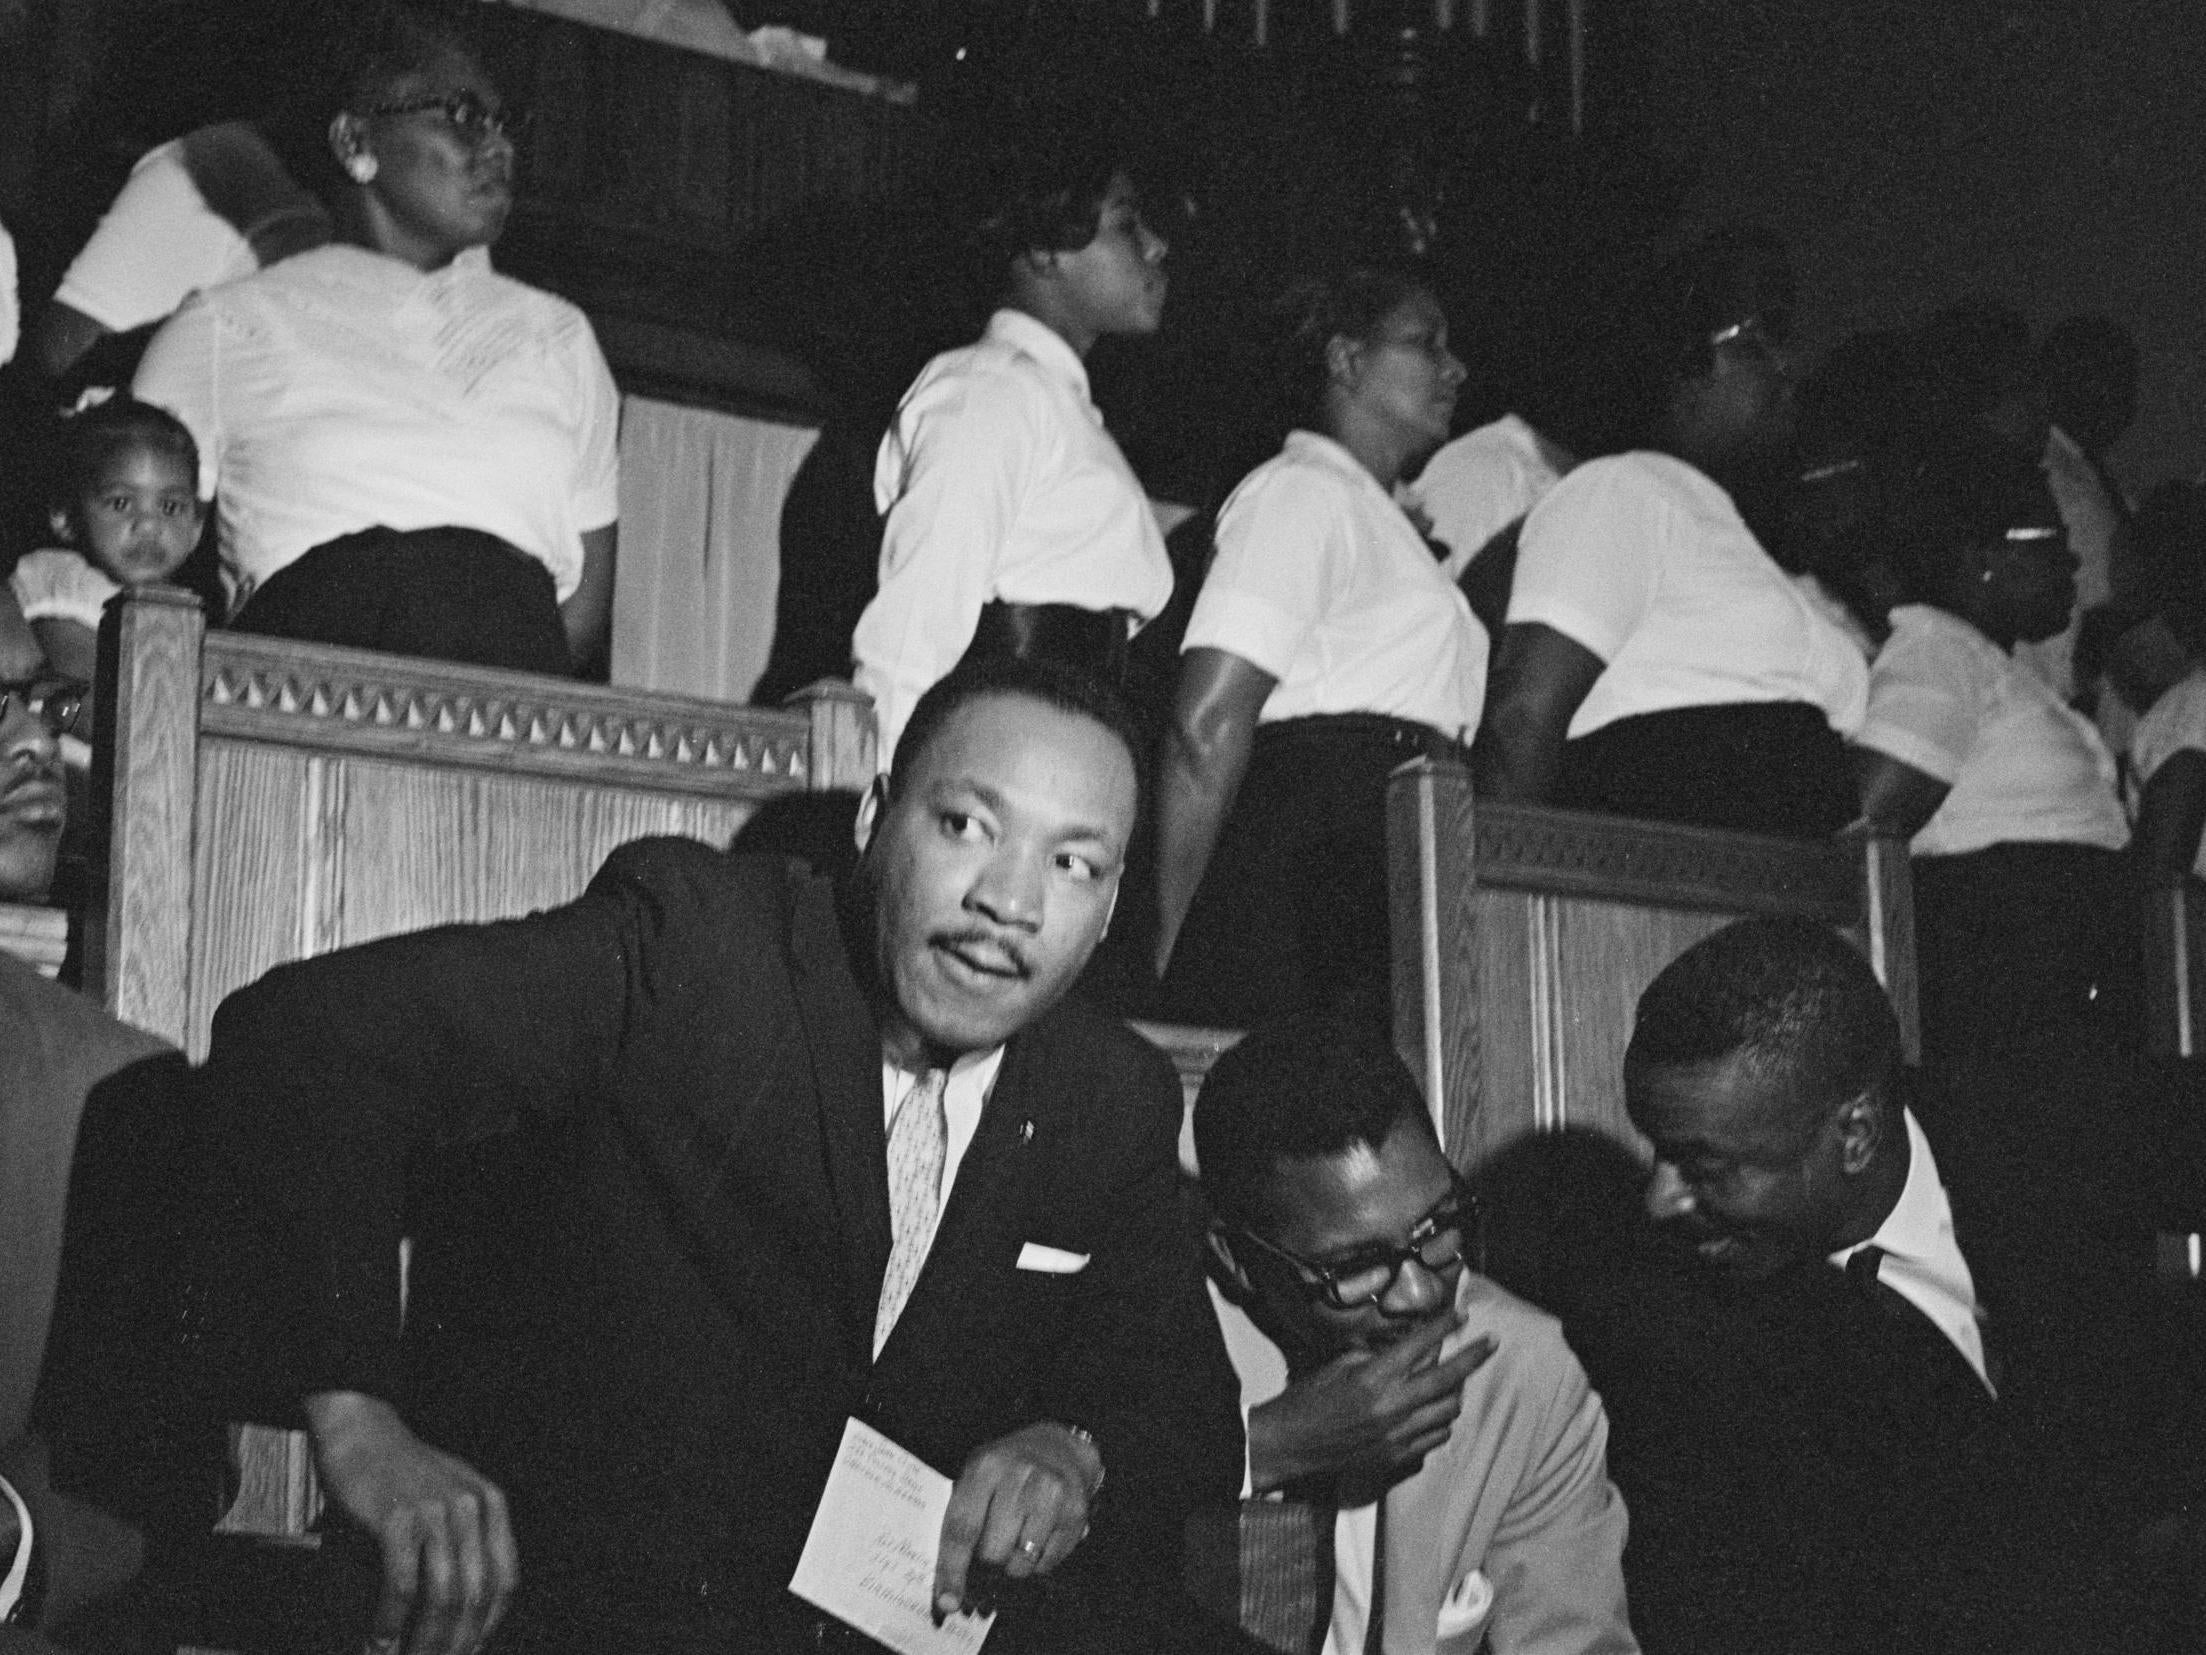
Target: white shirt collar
pixel 972 1078
pixel 1922 1256
pixel 1042 342
pixel 1318 447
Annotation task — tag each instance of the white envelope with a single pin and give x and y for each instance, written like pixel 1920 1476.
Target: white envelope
pixel 1051 1261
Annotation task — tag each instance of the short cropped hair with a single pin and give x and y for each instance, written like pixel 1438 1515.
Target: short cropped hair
pixel 1314 311
pixel 1791 996
pixel 90 441
pixel 1299 1090
pixel 1064 688
pixel 1045 195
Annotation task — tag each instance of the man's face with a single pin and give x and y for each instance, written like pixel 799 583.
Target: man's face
pixel 1341 1209
pixel 994 864
pixel 32 801
pixel 1744 1176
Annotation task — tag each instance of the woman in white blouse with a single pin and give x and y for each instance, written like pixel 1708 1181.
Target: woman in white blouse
pixel 2006 794
pixel 1326 647
pixel 409 452
pixel 1656 662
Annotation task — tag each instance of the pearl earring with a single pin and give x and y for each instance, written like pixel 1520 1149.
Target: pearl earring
pixel 361 168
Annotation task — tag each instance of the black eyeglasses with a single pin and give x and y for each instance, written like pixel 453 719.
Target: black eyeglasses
pixel 1438 1243
pixel 471 115
pixel 55 702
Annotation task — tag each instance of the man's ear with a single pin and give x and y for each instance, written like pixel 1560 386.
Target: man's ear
pixel 1225 1268
pixel 869 812
pixel 1861 1125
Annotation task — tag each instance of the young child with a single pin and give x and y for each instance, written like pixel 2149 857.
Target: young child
pixel 127 508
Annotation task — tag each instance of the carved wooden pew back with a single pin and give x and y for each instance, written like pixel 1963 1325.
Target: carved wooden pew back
pixel 269 800
pixel 1523 938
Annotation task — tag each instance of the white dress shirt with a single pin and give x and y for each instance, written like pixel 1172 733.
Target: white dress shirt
pixel 998 481
pixel 1321 581
pixel 1922 1258
pixel 972 1077
pixel 2021 763
pixel 1645 562
pixel 341 390
pixel 1484 480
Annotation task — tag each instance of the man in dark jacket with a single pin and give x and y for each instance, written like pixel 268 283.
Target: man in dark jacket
pixel 746 1097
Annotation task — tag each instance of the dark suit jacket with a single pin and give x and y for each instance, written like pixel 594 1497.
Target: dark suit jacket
pixel 1816 1469
pixel 693 1214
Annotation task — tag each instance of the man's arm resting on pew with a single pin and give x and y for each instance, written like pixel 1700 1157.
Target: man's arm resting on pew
pixel 330 1083
pixel 449 1562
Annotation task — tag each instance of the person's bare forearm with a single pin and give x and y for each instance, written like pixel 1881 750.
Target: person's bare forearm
pixel 1517 757
pixel 1195 792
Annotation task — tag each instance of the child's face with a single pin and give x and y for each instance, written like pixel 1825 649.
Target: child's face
pixel 140 518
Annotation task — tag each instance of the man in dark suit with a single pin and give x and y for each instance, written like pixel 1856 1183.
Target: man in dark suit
pixel 1804 1396
pixel 741 1090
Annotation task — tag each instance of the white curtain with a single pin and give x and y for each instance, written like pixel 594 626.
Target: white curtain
pixel 700 546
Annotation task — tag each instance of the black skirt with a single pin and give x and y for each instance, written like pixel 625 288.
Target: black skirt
pixel 1772 767
pixel 446 594
pixel 1291 916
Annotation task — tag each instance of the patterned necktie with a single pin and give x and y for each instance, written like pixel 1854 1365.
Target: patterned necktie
pixel 919 1142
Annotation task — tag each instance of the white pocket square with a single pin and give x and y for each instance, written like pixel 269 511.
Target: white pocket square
pixel 1051 1261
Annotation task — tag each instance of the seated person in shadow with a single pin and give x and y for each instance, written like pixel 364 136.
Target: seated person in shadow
pixel 1440 1423
pixel 1657 662
pixel 58 1053
pixel 1827 1443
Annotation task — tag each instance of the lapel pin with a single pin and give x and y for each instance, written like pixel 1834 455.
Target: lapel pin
pixel 1026 1132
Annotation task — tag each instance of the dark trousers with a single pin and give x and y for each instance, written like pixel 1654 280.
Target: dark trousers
pixel 1291 915
pixel 1772 767
pixel 447 594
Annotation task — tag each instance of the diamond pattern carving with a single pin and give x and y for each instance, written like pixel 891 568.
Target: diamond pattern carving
pixel 502 719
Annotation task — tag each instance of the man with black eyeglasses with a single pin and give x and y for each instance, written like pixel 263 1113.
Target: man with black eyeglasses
pixel 1443 1423
pixel 35 712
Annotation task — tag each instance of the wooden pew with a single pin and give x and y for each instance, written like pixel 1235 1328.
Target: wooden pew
pixel 267 800
pixel 1523 937
pixel 2173 936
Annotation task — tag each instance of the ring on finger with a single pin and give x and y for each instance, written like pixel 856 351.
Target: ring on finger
pixel 1032 1548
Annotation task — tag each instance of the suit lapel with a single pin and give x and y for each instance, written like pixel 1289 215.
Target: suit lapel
pixel 980 1222
pixel 1011 1124
pixel 845 1046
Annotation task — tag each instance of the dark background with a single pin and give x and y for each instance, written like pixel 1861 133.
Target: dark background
pixel 2044 151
